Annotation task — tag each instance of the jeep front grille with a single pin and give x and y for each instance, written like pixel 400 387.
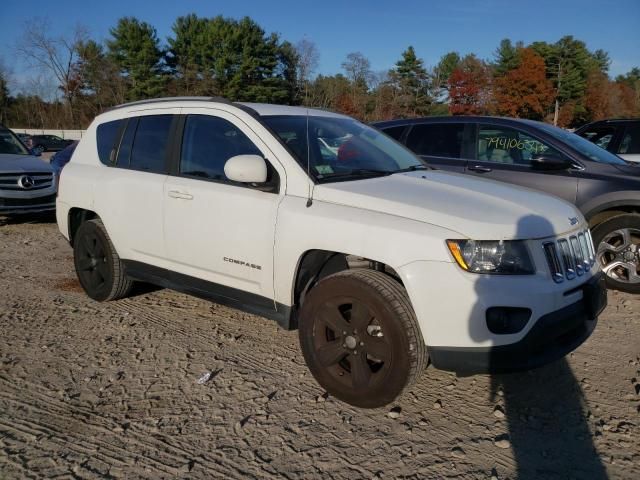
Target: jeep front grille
pixel 26 181
pixel 570 257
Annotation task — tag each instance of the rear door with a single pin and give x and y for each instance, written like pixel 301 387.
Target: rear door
pixel 441 145
pixel 504 154
pixel 130 194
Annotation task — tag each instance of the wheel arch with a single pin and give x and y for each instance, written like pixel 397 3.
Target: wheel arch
pixel 315 264
pixel 76 217
pixel 609 210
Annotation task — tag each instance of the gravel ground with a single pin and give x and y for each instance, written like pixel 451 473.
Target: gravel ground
pixel 90 390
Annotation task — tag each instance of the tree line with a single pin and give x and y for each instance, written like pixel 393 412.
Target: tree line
pixel 563 82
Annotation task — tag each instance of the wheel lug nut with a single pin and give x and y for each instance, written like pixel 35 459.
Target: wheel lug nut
pixel 344 333
pixel 362 344
pixel 355 352
pixel 344 345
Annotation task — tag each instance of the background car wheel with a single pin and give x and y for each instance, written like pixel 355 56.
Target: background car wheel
pixel 617 242
pixel 97 263
pixel 360 337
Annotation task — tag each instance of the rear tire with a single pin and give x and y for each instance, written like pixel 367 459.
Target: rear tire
pixel 360 337
pixel 617 243
pixel 97 263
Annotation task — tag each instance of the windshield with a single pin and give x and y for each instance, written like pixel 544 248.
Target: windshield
pixel 9 143
pixel 585 147
pixel 341 148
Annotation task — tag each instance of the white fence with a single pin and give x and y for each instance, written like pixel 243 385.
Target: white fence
pixel 66 134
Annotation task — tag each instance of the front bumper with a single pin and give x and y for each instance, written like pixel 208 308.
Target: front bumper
pixel 15 206
pixel 552 337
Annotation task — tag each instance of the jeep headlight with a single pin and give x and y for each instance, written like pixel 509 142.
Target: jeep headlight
pixel 506 257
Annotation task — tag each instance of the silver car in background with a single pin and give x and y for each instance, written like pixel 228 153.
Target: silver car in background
pixel 27 183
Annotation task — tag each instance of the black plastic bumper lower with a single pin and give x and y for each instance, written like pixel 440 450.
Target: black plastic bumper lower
pixel 13 206
pixel 551 338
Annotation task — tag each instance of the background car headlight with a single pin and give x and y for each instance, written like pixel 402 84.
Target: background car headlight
pixel 507 257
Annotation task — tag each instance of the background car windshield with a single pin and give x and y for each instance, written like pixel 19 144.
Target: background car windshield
pixel 591 150
pixel 9 143
pixel 339 145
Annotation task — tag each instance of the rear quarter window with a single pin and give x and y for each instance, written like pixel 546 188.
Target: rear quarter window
pixel 106 136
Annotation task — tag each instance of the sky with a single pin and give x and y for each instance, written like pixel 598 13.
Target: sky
pixel 381 30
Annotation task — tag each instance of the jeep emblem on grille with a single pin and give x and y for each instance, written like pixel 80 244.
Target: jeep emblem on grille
pixel 26 182
pixel 573 220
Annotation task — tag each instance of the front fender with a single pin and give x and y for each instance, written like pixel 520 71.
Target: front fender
pixel 610 201
pixel 392 240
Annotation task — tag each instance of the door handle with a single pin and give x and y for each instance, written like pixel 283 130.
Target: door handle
pixel 180 195
pixel 480 169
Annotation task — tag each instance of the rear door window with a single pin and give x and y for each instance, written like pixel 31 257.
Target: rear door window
pixel 124 152
pixel 437 140
pixel 149 149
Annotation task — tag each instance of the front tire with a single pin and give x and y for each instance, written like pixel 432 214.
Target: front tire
pixel 360 337
pixel 97 263
pixel 617 243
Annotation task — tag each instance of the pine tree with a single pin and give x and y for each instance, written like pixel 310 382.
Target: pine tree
pixel 506 57
pixel 412 83
pixel 135 49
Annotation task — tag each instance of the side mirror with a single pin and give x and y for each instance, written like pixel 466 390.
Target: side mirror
pixel 246 169
pixel 36 152
pixel 550 162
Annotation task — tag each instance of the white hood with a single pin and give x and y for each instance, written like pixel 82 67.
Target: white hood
pixel 473 207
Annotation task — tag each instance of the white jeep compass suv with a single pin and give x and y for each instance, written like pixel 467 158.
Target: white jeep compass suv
pixel 325 224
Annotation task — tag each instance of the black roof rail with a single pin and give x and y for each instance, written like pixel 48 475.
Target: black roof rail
pixel 171 99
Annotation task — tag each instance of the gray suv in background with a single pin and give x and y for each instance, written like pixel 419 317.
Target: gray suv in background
pixel 27 183
pixel 605 187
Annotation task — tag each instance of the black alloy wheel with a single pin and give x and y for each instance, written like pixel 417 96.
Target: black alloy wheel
pixel 97 263
pixel 360 337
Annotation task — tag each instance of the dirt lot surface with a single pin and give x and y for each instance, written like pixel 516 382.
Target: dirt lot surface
pixel 90 390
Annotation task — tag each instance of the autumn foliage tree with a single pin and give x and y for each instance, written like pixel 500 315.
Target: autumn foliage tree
pixel 76 77
pixel 470 88
pixel 524 91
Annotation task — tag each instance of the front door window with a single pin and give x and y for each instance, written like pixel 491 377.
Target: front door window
pixel 509 146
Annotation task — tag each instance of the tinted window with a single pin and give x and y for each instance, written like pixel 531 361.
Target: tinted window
pixel 106 139
pixel 124 152
pixel 585 147
pixel 444 140
pixel 150 143
pixel 394 132
pixel 601 136
pixel 9 143
pixel 207 143
pixel 506 145
pixel 631 140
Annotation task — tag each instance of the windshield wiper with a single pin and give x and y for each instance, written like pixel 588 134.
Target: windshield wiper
pixel 355 173
pixel 413 168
